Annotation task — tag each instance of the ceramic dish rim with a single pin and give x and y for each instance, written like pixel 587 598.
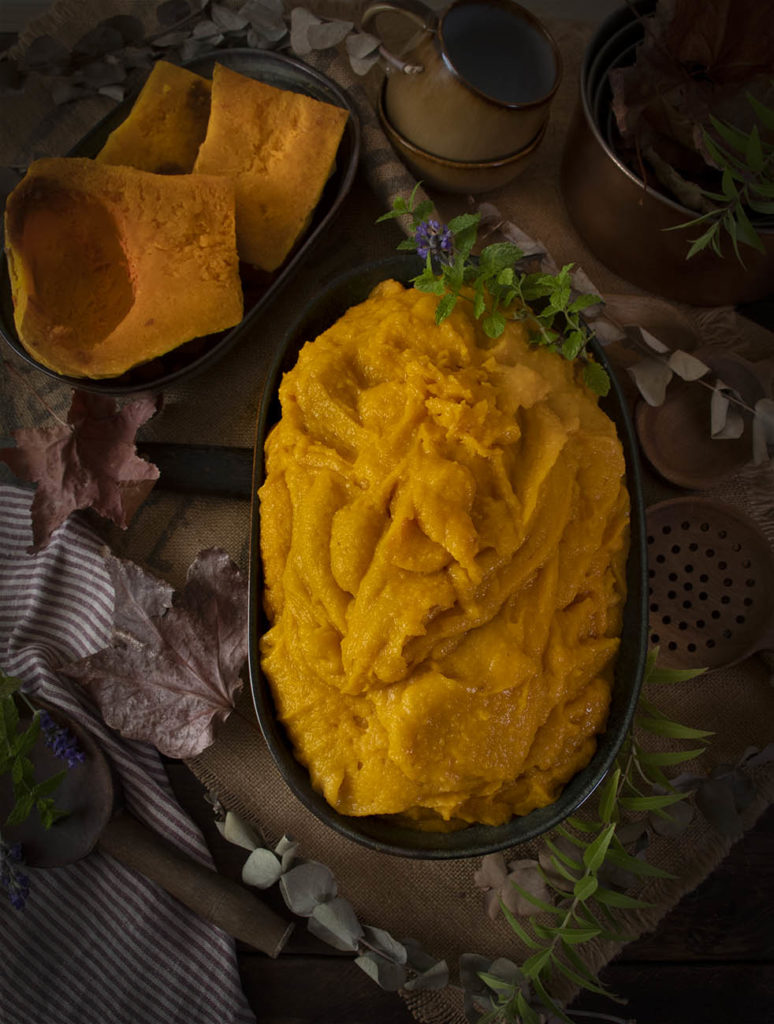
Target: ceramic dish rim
pixel 231 336
pixel 377 833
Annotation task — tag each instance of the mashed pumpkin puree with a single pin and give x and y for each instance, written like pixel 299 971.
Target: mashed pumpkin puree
pixel 444 528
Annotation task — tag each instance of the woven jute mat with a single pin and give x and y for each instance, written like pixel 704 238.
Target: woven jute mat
pixel 435 902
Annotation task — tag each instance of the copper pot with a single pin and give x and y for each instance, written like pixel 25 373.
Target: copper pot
pixel 625 222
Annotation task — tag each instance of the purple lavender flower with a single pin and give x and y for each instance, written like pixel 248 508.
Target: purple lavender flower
pixel 61 741
pixel 14 881
pixel 435 240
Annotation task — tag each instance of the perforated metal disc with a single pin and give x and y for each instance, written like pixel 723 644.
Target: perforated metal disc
pixel 710 583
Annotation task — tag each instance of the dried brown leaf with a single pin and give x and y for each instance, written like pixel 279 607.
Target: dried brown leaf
pixel 88 462
pixel 173 668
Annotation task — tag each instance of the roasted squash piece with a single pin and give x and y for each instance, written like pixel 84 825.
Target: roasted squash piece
pixel 279 149
pixel 166 125
pixel 112 266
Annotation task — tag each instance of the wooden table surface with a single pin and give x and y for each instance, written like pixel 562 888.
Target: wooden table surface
pixel 711 961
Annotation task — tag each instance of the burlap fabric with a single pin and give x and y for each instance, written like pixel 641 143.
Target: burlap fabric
pixel 437 903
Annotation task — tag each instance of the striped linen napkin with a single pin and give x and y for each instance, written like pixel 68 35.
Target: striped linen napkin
pixel 97 942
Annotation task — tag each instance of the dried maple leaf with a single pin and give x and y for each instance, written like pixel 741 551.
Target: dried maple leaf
pixel 88 462
pixel 173 668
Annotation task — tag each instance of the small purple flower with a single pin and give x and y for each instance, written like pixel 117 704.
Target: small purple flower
pixel 61 741
pixel 435 240
pixel 14 881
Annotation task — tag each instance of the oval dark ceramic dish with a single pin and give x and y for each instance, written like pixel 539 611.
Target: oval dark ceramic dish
pixel 380 833
pixel 259 288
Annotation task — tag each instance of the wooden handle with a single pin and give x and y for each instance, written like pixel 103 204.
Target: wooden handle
pixel 212 896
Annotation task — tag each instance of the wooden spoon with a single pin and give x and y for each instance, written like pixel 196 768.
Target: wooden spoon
pixel 91 795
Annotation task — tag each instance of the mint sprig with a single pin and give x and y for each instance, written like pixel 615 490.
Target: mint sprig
pixel 498 290
pixel 16 746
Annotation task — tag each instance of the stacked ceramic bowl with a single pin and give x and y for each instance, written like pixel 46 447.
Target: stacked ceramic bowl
pixel 467 107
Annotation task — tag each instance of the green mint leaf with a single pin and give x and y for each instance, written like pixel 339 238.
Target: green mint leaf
pixel 583 302
pixel 596 379
pixel 499 256
pixel 8 684
pixel 42 789
pixel 573 344
pixel 494 324
pixel 423 211
pixel 407 245
pixel 9 717
pixel 464 222
pixel 22 810
pixel 445 306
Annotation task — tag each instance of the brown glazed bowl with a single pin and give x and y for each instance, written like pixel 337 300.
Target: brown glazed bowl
pixel 458 175
pixel 625 222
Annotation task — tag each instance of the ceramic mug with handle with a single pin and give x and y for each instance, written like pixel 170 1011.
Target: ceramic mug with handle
pixel 477 81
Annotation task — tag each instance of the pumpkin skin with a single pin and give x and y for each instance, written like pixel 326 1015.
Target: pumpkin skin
pixel 279 149
pixel 112 266
pixel 166 125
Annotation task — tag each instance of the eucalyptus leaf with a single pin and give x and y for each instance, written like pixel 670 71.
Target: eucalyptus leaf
pixel 725 420
pixel 307 886
pixel 715 799
pixel 228 20
pixel 329 33
pixel 173 11
pixel 301 23
pixel 384 944
pixel 207 29
pixel 236 830
pixel 653 342
pixel 471 966
pixel 63 92
pixel 286 850
pixel 387 975
pixel 674 821
pixel 336 923
pixel 687 366
pixel 362 44
pixel 101 73
pixel 98 41
pixel 11 77
pixel 431 979
pixel 753 756
pixel 651 377
pixel 46 54
pixel 261 869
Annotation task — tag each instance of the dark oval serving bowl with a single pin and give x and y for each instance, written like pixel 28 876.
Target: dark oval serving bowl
pixel 259 287
pixel 381 833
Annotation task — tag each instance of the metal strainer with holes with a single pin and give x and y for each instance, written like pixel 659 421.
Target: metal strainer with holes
pixel 710 584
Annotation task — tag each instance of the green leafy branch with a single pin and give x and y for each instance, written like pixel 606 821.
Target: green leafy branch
pixel 588 863
pixel 746 163
pixel 547 303
pixel 16 745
